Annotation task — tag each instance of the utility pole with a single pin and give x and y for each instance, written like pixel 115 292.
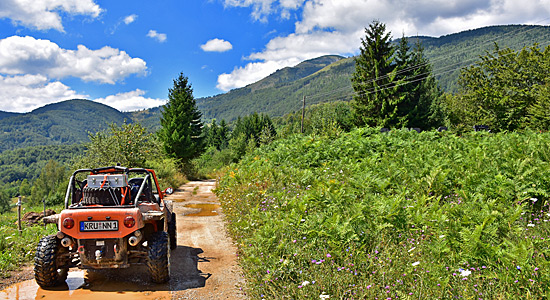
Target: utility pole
pixel 303 114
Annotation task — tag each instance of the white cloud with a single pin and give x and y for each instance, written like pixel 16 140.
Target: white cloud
pixel 130 19
pixel 45 14
pixel 286 51
pixel 217 45
pixel 161 37
pixel 263 8
pixel 28 92
pixel 336 26
pixel 131 101
pixel 252 72
pixel 27 55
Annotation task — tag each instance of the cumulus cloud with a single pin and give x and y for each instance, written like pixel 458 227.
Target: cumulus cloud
pixel 27 55
pixel 252 72
pixel 131 101
pixel 261 9
pixel 216 45
pixel 130 19
pixel 28 92
pixel 336 26
pixel 161 37
pixel 45 14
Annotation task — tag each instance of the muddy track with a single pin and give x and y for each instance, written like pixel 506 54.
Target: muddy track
pixel 203 266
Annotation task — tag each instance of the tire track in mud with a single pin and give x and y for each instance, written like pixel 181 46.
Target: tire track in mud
pixel 208 257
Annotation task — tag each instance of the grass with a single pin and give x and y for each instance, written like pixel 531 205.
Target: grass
pixel 17 248
pixel 399 215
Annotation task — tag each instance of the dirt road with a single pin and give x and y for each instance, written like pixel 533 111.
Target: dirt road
pixel 203 266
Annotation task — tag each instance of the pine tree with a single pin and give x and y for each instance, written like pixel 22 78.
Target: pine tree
pixel 420 95
pixel 212 135
pixel 181 132
pixel 223 133
pixel 407 90
pixel 374 80
pixel 217 135
pixel 425 93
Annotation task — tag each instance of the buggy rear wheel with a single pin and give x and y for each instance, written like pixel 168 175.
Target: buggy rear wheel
pixel 172 232
pixel 46 270
pixel 158 257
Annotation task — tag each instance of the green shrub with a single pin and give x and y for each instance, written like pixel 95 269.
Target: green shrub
pixel 16 248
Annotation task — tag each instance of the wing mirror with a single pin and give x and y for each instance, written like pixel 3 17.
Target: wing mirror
pixel 168 191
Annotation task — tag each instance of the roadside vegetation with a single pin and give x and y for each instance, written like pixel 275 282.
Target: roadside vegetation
pixel 371 215
pixel 17 248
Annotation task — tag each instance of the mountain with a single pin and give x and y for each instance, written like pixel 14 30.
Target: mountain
pixel 66 122
pixel 148 118
pixel 327 79
pixel 449 53
pixel 5 114
pixel 280 92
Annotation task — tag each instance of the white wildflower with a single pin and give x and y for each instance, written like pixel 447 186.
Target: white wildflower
pixel 414 264
pixel 465 273
pixel 441 236
pixel 411 249
pixel 305 283
pixel 531 225
pixel 324 296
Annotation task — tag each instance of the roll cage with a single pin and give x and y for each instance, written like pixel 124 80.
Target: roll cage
pixel 142 186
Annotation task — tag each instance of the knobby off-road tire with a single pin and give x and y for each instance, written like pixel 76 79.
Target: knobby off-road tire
pixel 172 232
pixel 158 257
pixel 46 271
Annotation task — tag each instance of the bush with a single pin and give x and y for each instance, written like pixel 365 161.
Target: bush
pixel 212 160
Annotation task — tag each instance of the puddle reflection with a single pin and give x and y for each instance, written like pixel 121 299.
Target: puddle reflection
pixel 96 287
pixel 203 210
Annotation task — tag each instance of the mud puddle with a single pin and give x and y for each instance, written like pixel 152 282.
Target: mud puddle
pixel 202 210
pixel 95 285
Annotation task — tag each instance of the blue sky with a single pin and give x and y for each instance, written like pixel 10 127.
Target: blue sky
pixel 126 53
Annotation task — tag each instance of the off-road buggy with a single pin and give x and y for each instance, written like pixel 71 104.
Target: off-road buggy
pixel 114 217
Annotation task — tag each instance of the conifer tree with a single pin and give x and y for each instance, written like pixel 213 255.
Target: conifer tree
pixel 418 90
pixel 407 90
pixel 223 134
pixel 424 92
pixel 374 80
pixel 181 132
pixel 217 135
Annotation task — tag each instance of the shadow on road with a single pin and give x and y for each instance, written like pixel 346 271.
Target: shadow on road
pixel 184 274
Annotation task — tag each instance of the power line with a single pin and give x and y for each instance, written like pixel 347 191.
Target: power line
pixel 416 78
pixel 452 54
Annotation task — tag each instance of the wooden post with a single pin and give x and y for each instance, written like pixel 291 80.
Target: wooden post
pixel 303 114
pixel 19 216
pixel 44 215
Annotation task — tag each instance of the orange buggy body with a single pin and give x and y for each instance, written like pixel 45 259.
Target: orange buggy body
pixel 114 217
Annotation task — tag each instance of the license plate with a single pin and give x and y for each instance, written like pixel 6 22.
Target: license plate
pixel 98 225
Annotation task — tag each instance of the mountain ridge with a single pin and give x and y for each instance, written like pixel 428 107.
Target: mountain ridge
pixel 61 123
